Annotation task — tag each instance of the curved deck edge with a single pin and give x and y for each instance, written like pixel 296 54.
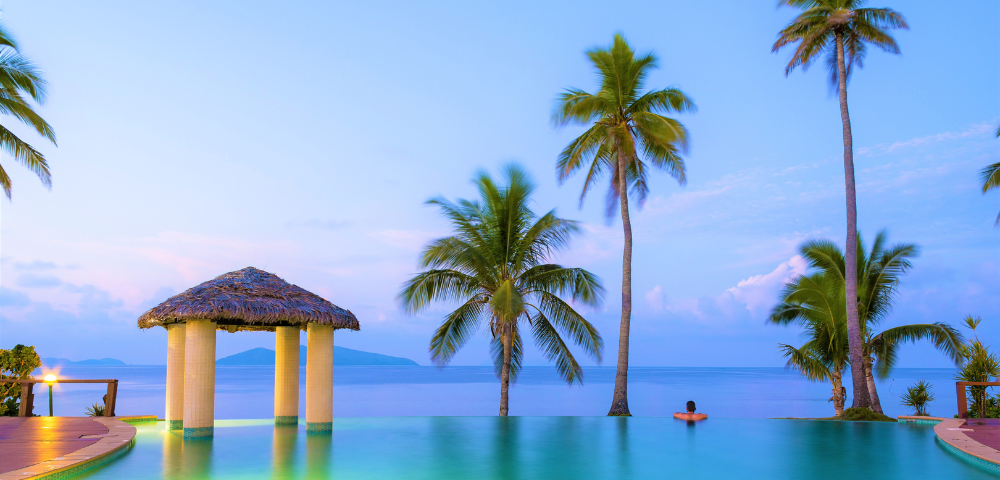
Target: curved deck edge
pixel 118 441
pixel 950 435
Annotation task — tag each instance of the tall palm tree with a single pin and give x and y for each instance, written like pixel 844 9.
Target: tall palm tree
pixel 808 300
pixel 841 29
pixel 628 128
pixel 19 79
pixel 816 303
pixel 990 177
pixel 493 265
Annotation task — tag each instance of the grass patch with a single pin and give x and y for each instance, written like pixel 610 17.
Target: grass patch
pixel 853 415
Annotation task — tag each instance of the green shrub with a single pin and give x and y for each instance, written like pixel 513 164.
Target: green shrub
pixel 96 410
pixel 917 397
pixel 864 415
pixel 15 364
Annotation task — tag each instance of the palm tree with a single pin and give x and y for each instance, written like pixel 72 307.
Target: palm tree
pixel 808 298
pixel 493 265
pixel 816 303
pixel 978 365
pixel 627 129
pixel 917 397
pixel 20 79
pixel 990 177
pixel 840 29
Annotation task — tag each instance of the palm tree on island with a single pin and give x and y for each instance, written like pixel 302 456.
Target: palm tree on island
pixel 19 79
pixel 627 129
pixel 494 265
pixel 816 302
pixel 990 176
pixel 841 30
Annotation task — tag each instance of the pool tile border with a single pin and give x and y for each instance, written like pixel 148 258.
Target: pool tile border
pixel 955 441
pixel 118 441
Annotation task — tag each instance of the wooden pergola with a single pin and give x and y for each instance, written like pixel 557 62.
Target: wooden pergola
pixel 963 404
pixel 28 396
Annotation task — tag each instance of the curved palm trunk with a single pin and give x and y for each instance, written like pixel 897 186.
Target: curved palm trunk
pixel 870 380
pixel 508 341
pixel 838 393
pixel 619 403
pixel 854 340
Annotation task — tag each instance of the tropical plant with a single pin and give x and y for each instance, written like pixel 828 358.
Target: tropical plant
pixel 815 302
pixel 809 300
pixel 917 397
pixel 841 29
pixel 494 265
pixel 96 410
pixel 978 365
pixel 19 79
pixel 15 364
pixel 628 132
pixel 990 176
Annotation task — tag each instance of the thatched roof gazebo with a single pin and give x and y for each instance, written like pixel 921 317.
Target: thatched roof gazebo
pixel 248 300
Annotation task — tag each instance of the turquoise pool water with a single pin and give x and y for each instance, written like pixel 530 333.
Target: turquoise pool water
pixel 544 447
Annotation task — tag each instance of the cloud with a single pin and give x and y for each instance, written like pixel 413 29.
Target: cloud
pixel 760 292
pixel 31 280
pixel 316 223
pixel 654 298
pixel 13 298
pixel 36 265
pixel 977 130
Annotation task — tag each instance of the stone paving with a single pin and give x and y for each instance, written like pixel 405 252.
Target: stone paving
pixel 32 447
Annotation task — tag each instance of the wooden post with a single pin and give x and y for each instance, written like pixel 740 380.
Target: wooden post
pixel 963 405
pixel 26 394
pixel 109 404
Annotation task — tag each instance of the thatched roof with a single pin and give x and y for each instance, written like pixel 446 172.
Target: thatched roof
pixel 249 299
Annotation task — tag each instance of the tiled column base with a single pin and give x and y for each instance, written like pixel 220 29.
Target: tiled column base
pixel 175 424
pixel 201 432
pixel 319 427
pixel 287 420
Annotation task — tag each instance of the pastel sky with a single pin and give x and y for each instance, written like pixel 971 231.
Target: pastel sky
pixel 197 138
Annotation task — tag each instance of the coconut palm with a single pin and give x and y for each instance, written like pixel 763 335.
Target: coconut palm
pixel 878 271
pixel 628 132
pixel 494 266
pixel 816 303
pixel 19 79
pixel 841 30
pixel 990 176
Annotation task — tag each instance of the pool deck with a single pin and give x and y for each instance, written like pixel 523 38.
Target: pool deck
pixel 976 440
pixel 54 447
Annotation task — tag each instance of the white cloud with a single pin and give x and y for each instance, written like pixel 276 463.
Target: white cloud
pixel 759 292
pixel 654 298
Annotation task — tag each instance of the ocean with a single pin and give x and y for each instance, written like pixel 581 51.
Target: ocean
pixel 246 392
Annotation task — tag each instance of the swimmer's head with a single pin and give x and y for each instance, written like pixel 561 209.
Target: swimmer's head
pixel 690 406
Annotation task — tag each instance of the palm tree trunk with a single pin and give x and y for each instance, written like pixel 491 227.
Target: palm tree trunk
pixel 854 341
pixel 870 380
pixel 619 403
pixel 508 340
pixel 838 393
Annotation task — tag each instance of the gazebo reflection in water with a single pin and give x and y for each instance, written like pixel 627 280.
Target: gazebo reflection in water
pixel 247 300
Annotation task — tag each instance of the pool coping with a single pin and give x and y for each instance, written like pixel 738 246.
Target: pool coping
pixel 952 437
pixel 118 440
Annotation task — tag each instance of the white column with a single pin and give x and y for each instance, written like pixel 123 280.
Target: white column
pixel 174 414
pixel 286 376
pixel 199 378
pixel 319 378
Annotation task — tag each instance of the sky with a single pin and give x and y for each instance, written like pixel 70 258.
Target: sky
pixel 303 138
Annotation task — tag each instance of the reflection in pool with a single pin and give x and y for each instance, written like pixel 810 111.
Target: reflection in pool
pixel 543 447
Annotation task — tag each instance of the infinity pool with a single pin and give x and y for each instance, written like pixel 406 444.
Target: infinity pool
pixel 544 447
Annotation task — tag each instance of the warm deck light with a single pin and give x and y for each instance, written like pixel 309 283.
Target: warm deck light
pixel 50 378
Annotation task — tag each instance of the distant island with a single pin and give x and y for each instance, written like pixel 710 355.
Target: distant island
pixel 100 362
pixel 341 356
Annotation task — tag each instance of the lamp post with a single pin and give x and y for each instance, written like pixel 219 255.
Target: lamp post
pixel 50 379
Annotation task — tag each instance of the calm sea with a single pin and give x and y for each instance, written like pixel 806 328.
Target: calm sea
pixel 376 391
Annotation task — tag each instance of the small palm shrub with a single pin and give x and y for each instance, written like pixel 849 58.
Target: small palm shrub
pixel 917 397
pixel 95 410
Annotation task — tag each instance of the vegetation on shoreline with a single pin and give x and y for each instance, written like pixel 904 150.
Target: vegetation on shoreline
pixel 979 365
pixel 628 132
pixel 15 364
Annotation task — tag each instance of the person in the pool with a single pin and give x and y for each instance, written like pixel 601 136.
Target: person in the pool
pixel 690 415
